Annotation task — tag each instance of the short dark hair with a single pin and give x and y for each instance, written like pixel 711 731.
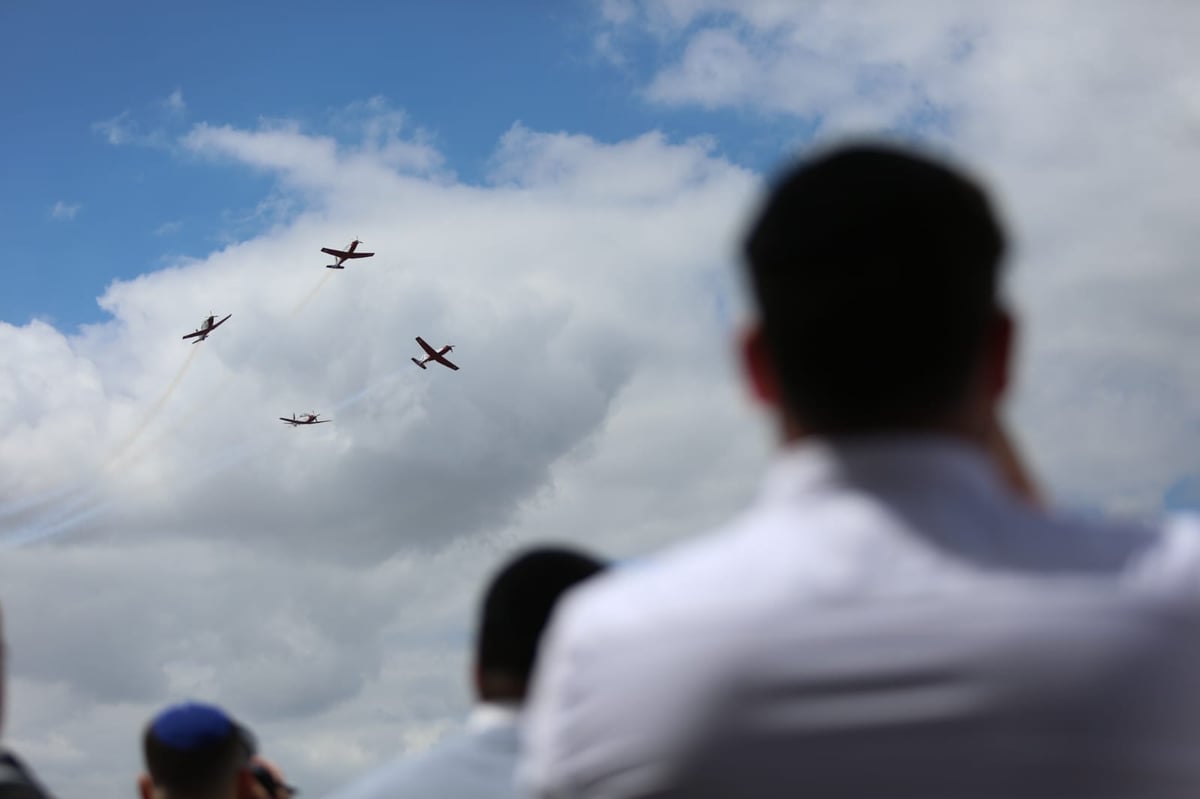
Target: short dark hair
pixel 875 271
pixel 192 749
pixel 517 606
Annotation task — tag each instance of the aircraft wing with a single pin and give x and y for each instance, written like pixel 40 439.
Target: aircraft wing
pixel 356 254
pixel 445 362
pixel 337 253
pixel 218 324
pixel 197 333
pixel 430 351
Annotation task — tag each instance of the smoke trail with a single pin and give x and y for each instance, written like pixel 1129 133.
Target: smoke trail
pixel 72 515
pixel 19 506
pixel 60 520
pixel 309 297
pixel 204 402
pixel 153 412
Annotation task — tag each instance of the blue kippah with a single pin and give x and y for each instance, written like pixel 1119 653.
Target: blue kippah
pixel 192 726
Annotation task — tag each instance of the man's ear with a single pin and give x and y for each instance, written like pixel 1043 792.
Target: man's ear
pixel 758 367
pixel 145 787
pixel 998 346
pixel 247 786
pixel 477 678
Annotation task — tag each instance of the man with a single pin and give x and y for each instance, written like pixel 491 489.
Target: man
pixel 16 781
pixel 481 761
pixel 196 751
pixel 893 617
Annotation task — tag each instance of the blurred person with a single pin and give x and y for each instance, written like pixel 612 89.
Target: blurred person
pixel 271 782
pixel 16 780
pixel 197 751
pixel 895 615
pixel 480 762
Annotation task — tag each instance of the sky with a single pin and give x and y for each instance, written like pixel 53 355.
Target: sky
pixel 558 189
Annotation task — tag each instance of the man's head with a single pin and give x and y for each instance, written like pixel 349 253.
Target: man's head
pixel 516 608
pixel 875 273
pixel 196 751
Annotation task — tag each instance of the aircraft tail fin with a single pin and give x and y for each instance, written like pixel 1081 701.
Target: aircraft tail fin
pixel 418 363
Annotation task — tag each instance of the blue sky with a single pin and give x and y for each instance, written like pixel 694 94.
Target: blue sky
pixel 464 72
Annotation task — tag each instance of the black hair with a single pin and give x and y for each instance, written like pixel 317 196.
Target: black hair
pixel 875 273
pixel 197 772
pixel 517 606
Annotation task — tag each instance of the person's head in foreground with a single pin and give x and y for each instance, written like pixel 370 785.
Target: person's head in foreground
pixel 271 782
pixel 197 751
pixel 515 610
pixel 875 276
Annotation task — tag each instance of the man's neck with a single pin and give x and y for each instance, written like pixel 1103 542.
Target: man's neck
pixel 968 431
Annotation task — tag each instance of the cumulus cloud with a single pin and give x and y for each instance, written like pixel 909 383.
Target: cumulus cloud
pixel 124 130
pixel 1080 122
pixel 320 581
pixel 175 102
pixel 64 210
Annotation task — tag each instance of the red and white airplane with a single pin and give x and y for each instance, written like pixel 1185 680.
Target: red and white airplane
pixel 305 418
pixel 434 355
pixel 343 255
pixel 206 327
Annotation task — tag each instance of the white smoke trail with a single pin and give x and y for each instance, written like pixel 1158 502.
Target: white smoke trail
pixel 76 512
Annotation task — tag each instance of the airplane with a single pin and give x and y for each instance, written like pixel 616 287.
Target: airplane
pixel 434 355
pixel 206 327
pixel 342 255
pixel 305 418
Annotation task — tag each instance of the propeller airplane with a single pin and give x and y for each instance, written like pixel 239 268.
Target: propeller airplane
pixel 435 355
pixel 206 327
pixel 305 418
pixel 346 254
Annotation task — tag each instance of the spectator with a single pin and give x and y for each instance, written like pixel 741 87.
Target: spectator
pixel 892 616
pixel 196 751
pixel 271 782
pixel 481 762
pixel 16 780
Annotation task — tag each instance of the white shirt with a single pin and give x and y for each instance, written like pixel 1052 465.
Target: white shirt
pixel 885 621
pixel 479 762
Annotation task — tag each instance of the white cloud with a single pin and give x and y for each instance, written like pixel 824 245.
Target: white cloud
pixel 64 210
pixel 123 129
pixel 118 130
pixel 168 228
pixel 1081 122
pixel 175 103
pixel 582 286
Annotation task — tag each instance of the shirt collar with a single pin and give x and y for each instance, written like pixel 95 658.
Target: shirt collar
pixel 880 463
pixel 488 715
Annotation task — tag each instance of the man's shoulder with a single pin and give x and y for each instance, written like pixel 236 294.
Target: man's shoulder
pixel 680 580
pixel 17 781
pixel 1163 554
pixel 465 764
pixel 738 571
